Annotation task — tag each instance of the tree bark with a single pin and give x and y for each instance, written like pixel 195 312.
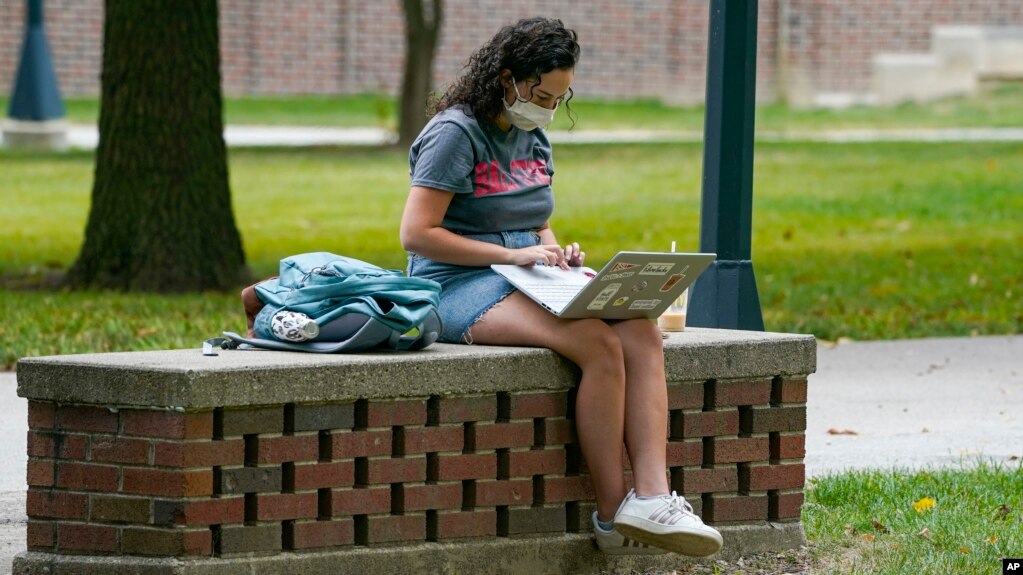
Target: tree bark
pixel 422 32
pixel 161 217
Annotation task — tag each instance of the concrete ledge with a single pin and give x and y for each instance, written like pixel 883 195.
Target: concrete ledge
pixel 186 380
pixel 557 555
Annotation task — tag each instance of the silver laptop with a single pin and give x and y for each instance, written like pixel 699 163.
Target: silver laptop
pixel 631 285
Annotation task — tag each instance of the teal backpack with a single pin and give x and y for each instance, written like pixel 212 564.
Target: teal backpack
pixel 356 306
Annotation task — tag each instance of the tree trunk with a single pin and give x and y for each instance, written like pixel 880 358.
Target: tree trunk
pixel 422 32
pixel 161 216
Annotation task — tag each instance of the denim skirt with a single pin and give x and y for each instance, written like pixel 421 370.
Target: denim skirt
pixel 468 292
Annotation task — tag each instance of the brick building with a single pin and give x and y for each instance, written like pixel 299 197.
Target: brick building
pixel 632 48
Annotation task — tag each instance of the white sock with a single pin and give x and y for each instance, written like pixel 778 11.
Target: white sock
pixel 649 497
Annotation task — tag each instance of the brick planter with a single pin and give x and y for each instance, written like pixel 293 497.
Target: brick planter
pixel 171 462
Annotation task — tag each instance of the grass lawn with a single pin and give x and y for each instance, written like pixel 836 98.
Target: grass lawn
pixel 848 242
pixel 961 521
pixel 930 522
pixel 997 105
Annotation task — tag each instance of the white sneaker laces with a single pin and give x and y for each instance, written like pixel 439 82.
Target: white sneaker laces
pixel 680 503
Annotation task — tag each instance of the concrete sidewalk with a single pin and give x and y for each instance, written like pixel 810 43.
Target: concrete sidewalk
pixel 907 404
pixel 87 136
pixel 915 403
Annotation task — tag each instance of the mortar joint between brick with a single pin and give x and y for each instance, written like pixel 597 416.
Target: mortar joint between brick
pixel 288 477
pixel 218 424
pixel 288 535
pixel 468 436
pixel 432 525
pixel 502 520
pixel 709 393
pixel 251 509
pixel 215 532
pixel 361 471
pixel 361 523
pixel 251 449
pixel 361 414
pixel 397 440
pixel 503 464
pixel 324 445
pixel 324 504
pixel 397 498
pixel 289 418
pixel 503 406
pixel 433 411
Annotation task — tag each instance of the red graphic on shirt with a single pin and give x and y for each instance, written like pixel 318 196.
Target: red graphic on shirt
pixel 490 179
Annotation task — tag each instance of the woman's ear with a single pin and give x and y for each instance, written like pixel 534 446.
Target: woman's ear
pixel 506 78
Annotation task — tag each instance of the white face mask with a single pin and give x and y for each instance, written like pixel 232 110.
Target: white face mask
pixel 526 115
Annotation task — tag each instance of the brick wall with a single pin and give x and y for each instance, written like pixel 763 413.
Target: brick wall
pixel 649 48
pixel 832 42
pixel 229 482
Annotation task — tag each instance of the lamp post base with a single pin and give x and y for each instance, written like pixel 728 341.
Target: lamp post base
pixel 43 135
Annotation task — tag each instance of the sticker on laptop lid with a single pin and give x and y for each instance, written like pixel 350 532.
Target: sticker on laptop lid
pixel 605 295
pixel 640 286
pixel 656 269
pixel 622 267
pixel 674 279
pixel 621 301
pixel 617 276
pixel 645 304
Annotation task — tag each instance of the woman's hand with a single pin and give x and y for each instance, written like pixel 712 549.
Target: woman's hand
pixel 573 255
pixel 550 255
pixel 546 254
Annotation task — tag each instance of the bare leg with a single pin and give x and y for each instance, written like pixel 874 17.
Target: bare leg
pixel 646 404
pixel 600 403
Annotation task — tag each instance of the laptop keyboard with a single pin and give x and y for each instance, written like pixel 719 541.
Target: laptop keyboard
pixel 554 295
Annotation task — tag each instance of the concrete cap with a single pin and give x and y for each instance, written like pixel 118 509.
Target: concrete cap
pixel 187 380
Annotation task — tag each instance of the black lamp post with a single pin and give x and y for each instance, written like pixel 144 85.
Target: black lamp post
pixel 725 296
pixel 35 117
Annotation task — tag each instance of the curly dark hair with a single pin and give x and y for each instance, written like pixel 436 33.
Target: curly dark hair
pixel 528 48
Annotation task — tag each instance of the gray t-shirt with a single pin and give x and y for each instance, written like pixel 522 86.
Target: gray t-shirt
pixel 501 180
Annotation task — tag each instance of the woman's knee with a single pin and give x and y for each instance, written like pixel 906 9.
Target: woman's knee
pixel 599 347
pixel 641 332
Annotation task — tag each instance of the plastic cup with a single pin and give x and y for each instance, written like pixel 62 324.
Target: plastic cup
pixel 674 319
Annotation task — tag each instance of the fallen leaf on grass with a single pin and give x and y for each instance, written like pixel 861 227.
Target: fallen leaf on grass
pixel 878 526
pixel 868 537
pixel 836 431
pixel 924 504
pixel 849 529
pixel 1002 513
pixel 925 533
pixel 964 550
pixel 145 331
pixel 992 540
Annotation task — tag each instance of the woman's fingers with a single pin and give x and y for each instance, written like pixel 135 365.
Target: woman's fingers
pixel 547 255
pixel 573 255
pixel 551 255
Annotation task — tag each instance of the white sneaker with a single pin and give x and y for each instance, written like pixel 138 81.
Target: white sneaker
pixel 667 522
pixel 614 543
